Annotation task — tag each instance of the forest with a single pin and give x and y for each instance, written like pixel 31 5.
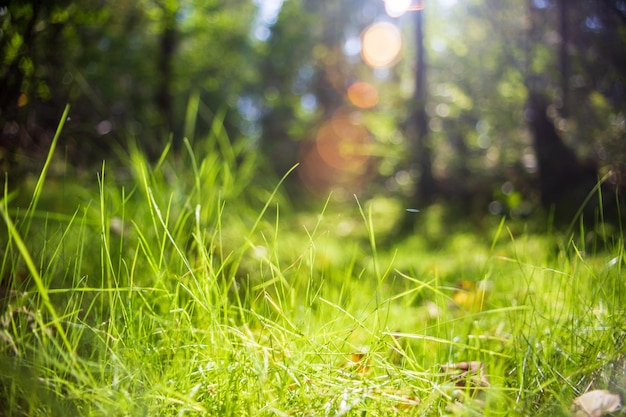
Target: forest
pixel 497 107
pixel 311 207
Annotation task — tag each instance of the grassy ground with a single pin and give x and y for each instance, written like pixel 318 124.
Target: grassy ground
pixel 189 287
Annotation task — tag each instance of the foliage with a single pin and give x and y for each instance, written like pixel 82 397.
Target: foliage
pixel 128 68
pixel 151 70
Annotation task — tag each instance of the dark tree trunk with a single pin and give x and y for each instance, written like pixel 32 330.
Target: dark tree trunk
pixel 167 47
pixel 416 131
pixel 564 180
pixel 563 56
pixel 417 125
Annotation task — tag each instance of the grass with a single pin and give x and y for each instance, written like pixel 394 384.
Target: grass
pixel 190 287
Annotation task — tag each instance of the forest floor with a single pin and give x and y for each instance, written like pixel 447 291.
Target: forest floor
pixel 188 287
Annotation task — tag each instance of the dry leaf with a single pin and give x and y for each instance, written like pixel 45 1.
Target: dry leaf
pixel 596 403
pixel 467 374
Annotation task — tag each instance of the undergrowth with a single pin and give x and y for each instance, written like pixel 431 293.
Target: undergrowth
pixel 186 286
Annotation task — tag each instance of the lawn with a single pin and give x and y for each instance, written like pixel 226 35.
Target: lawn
pixel 192 286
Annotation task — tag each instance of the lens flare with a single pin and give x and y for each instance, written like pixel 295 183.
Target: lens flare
pixel 341 143
pixel 381 45
pixel 340 156
pixel 396 8
pixel 363 95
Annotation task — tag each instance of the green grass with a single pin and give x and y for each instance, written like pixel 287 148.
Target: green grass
pixel 190 286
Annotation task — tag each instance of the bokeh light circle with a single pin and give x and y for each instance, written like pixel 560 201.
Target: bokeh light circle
pixel 340 156
pixel 396 8
pixel 381 45
pixel 341 143
pixel 363 95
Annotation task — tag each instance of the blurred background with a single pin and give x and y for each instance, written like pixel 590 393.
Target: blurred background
pixel 489 107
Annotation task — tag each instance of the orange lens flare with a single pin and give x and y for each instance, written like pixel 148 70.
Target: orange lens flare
pixel 339 157
pixel 341 143
pixel 363 95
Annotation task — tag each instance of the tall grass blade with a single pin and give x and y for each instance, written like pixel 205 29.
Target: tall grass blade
pixel 41 287
pixel 191 115
pixel 42 176
pixel 269 201
pixel 590 195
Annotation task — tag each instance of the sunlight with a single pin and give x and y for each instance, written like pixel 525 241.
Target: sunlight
pixel 396 8
pixel 381 45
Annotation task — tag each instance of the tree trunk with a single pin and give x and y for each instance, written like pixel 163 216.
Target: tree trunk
pixel 417 126
pixel 167 46
pixel 564 181
pixel 416 132
pixel 563 56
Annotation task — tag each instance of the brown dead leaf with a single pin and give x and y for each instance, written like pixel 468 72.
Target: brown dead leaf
pixel 595 403
pixel 467 374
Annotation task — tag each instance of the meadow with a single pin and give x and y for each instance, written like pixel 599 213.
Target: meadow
pixel 191 286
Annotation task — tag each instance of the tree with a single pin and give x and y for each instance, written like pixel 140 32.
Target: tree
pixel 566 138
pixel 417 131
pixel 126 68
pixel 33 74
pixel 286 76
pixel 165 63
